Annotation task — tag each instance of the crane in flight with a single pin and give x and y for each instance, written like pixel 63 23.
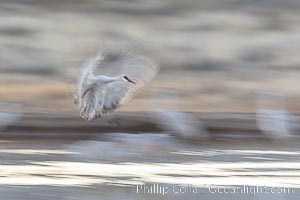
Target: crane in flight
pixel 98 95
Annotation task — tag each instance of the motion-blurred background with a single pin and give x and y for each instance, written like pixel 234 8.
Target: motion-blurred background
pixel 224 104
pixel 215 54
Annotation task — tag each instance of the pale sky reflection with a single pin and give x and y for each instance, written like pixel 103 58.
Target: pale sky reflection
pixel 280 174
pixel 234 152
pixel 36 151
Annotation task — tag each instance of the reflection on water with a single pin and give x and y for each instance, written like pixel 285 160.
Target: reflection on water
pixel 279 174
pixel 236 152
pixel 57 165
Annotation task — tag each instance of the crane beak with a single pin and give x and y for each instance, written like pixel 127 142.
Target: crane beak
pixel 131 81
pixel 128 80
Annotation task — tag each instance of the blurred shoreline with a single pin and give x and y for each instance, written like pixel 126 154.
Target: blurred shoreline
pixel 220 125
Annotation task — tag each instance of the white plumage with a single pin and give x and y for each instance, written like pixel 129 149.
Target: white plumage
pixel 181 124
pixel 272 118
pixel 99 95
pixel 10 114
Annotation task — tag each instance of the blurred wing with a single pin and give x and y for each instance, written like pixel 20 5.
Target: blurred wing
pixel 139 69
pixel 86 74
pixel 90 102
